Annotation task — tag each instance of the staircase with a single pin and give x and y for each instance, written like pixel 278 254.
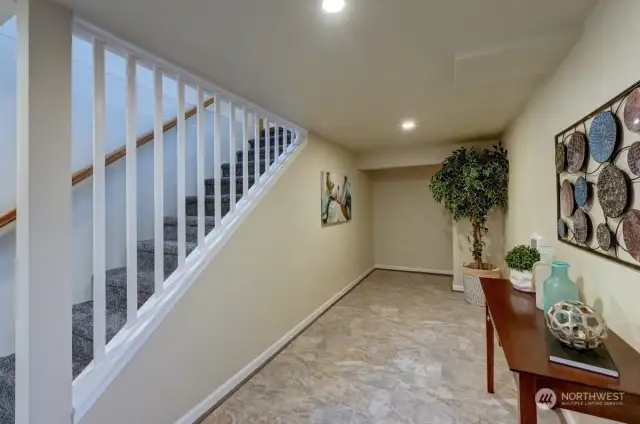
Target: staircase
pixel 116 279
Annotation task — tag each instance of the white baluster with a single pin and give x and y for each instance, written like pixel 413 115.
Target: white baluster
pixel 267 148
pixel 132 194
pixel 256 148
pixel 232 158
pixel 182 172
pixel 276 158
pixel 158 181
pixel 200 156
pixel 216 160
pixel 245 152
pixel 99 229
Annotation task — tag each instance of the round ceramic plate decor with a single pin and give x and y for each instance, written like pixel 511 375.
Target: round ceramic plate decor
pixel 560 157
pixel 562 228
pixel 612 191
pixel 576 151
pixel 604 236
pixel 581 191
pixel 580 226
pixel 633 158
pixel 631 233
pixel 602 136
pixel 632 111
pixel 566 198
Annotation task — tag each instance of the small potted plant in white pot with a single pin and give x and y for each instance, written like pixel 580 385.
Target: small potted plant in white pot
pixel 520 261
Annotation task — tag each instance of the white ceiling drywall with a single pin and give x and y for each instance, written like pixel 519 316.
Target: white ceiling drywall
pixel 463 69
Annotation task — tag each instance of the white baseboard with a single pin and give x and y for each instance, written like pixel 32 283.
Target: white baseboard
pixel 457 288
pixel 194 414
pixel 411 269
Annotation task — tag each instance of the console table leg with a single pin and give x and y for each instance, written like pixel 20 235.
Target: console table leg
pixel 527 410
pixel 489 328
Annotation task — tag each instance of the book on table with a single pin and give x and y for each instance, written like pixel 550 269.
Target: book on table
pixel 595 360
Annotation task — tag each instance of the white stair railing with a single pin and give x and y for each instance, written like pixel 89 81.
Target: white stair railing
pixel 110 356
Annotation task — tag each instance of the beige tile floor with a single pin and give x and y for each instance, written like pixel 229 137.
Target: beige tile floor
pixel 401 348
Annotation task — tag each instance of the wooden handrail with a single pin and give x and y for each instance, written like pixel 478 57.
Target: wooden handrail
pixel 9 216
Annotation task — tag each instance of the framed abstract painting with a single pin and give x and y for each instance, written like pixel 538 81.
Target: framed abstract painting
pixel 335 198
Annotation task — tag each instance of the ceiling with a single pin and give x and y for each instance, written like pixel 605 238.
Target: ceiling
pixel 463 69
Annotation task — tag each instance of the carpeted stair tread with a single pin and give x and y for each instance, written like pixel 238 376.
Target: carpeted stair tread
pixel 262 151
pixel 191 227
pixel 7 388
pixel 224 198
pixel 239 168
pixel 190 221
pixel 170 247
pixel 225 183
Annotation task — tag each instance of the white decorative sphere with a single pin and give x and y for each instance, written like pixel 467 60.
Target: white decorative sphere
pixel 576 324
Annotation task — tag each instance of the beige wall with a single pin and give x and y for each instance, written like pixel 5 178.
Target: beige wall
pixel 410 228
pixel 600 66
pixel 276 270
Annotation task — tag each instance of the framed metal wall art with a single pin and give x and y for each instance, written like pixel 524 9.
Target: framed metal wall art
pixel 597 161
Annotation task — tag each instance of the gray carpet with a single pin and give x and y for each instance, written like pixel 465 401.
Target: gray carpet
pixel 116 279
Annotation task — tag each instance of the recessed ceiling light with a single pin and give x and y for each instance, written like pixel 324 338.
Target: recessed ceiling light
pixel 408 125
pixel 332 6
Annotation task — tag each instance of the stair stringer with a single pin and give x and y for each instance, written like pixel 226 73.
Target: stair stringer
pixel 94 380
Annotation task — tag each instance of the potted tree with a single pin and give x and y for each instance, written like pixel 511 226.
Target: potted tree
pixel 520 261
pixel 470 183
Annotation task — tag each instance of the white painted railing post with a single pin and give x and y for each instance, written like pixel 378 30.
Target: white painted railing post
pixel 267 147
pixel 232 157
pixel 158 181
pixel 182 173
pixel 99 221
pixel 132 193
pixel 200 156
pixel 217 103
pixel 245 152
pixel 44 230
pixel 256 148
pixel 276 143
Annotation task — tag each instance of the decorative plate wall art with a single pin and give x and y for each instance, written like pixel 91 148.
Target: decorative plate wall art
pixel 633 158
pixel 602 136
pixel 603 235
pixel 580 226
pixel 581 191
pixel 560 157
pixel 632 111
pixel 597 167
pixel 566 198
pixel 562 228
pixel 612 191
pixel 576 149
pixel 631 231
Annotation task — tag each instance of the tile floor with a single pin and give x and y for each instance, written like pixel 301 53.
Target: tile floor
pixel 401 348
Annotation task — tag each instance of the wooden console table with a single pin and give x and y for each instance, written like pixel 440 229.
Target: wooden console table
pixel 522 331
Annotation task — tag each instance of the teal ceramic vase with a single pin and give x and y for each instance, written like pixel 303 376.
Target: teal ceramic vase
pixel 559 286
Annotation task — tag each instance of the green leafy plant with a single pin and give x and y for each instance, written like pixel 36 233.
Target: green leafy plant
pixel 522 258
pixel 470 183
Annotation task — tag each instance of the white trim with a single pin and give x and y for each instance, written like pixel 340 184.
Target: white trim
pixel 94 380
pixel 411 269
pixel 194 414
pixel 457 288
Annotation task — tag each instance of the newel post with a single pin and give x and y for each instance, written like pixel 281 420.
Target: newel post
pixel 43 246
